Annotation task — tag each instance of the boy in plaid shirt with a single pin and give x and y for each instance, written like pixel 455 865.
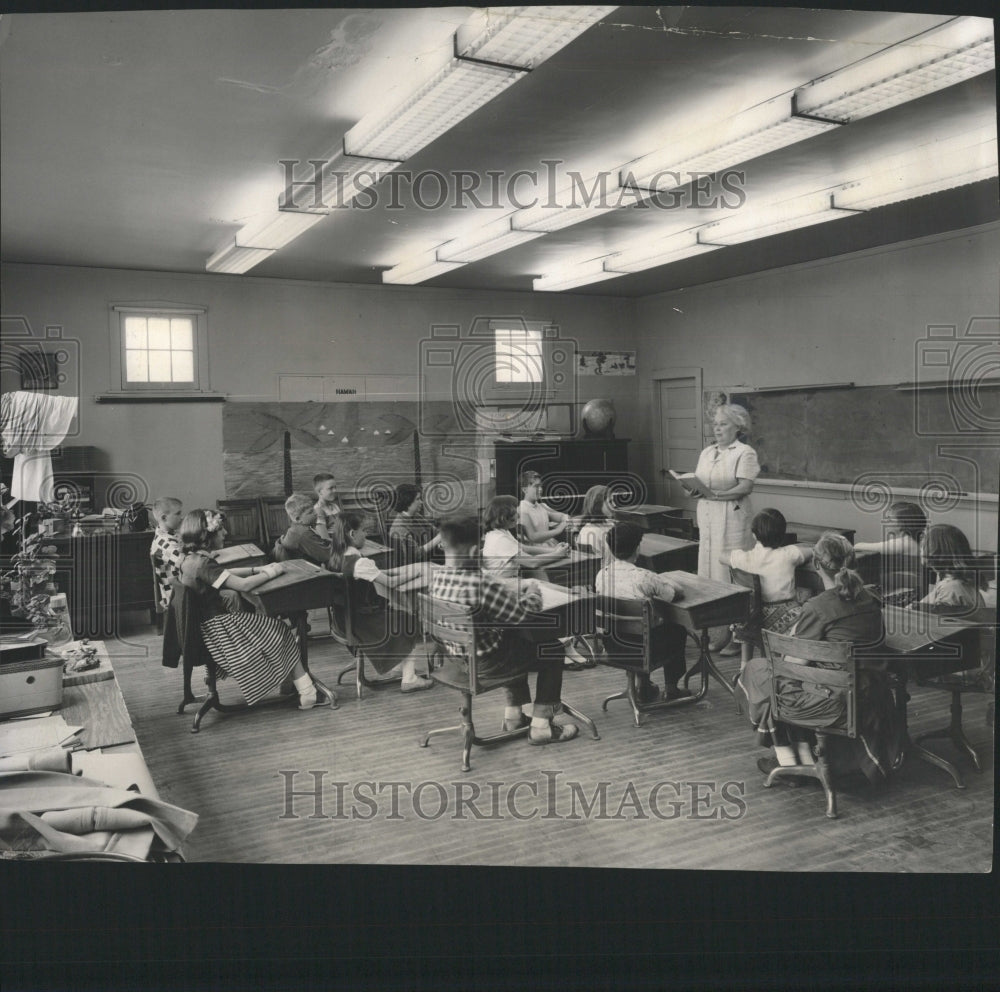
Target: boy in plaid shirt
pixel 165 550
pixel 501 652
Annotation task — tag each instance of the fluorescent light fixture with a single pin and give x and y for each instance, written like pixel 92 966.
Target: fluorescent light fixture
pixel 946 169
pixel 750 134
pixel 660 252
pixel 493 49
pixel 578 275
pixel 260 239
pixel 417 268
pixel 234 258
pixel 523 36
pixel 776 217
pixel 344 177
pixel 491 238
pixel 579 201
pixel 957 50
pixel 446 99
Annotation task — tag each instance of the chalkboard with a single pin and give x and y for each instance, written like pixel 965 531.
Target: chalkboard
pixel 937 439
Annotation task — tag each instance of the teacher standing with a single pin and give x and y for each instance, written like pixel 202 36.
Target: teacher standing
pixel 727 469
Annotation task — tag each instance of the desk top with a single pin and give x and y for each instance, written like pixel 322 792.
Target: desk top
pixel 237 553
pixel 912 632
pixel 654 544
pixel 295 571
pixel 649 510
pixel 705 602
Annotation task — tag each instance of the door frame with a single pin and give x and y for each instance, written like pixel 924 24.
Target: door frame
pixel 658 376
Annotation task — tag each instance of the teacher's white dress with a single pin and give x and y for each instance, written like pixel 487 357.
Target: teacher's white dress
pixel 724 525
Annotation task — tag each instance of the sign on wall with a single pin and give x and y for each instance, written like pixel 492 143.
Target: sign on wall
pixel 605 363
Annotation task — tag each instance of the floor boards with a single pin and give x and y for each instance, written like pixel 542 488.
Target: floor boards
pixel 585 803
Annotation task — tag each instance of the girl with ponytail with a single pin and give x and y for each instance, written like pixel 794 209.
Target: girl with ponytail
pixel 844 611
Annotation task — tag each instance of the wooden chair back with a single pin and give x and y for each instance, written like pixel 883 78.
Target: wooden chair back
pixel 340 610
pixel 454 624
pixel 243 523
pixel 375 505
pixel 751 581
pixel 839 681
pixel 624 627
pixel 274 520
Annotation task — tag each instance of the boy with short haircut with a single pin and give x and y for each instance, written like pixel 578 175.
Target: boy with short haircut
pixel 622 578
pixel 301 539
pixel 327 503
pixel 165 551
pixel 501 653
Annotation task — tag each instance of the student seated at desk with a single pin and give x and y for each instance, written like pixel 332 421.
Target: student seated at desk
pixel 775 564
pixel 503 555
pixel 412 536
pixel 501 652
pixel 539 523
pixel 946 552
pixel 904 525
pixel 844 611
pixel 327 503
pixel 301 539
pixel 165 551
pixel 258 651
pixel 621 578
pixel 598 518
pixel 388 637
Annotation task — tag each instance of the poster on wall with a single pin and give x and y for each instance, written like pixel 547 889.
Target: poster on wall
pixel 605 363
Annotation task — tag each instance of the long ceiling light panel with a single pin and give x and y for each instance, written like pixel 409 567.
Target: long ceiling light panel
pixel 655 253
pixel 949 54
pixel 961 163
pixel 492 50
pixel 745 136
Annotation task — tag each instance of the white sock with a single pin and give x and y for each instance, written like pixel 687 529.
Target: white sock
pixel 805 754
pixel 785 755
pixel 511 713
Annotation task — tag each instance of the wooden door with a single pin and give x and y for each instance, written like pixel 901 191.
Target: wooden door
pixel 678 396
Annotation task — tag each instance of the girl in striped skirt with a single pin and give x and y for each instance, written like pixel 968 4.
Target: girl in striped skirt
pixel 258 651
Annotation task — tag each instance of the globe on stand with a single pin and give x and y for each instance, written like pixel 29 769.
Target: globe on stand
pixel 598 418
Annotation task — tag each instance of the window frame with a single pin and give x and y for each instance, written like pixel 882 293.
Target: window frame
pixel 119 386
pixel 548 335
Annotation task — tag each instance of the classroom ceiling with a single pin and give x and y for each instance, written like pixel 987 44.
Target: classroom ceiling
pixel 145 139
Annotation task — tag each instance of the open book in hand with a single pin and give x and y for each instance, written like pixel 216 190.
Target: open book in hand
pixel 691 483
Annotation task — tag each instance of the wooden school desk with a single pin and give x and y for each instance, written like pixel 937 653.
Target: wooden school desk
pixel 661 553
pixel 922 645
pixel 240 556
pixel 649 516
pixel 705 603
pixel 798 533
pixel 301 587
pixel 578 568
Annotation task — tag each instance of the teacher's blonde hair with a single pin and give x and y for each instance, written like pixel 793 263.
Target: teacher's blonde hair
pixel 737 415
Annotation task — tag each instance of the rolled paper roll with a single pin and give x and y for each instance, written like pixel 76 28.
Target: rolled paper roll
pixel 52 759
pixel 87 819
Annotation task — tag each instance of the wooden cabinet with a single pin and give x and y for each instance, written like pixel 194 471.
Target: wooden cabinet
pixel 567 467
pixel 104 574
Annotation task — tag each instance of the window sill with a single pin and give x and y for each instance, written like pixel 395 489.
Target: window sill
pixel 151 396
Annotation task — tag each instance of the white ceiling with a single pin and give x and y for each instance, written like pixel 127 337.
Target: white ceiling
pixel 145 139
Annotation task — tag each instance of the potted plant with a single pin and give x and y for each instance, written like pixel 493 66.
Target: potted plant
pixel 26 580
pixel 57 515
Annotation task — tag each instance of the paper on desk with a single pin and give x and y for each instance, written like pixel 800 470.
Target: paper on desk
pixel 30 735
pixel 122 771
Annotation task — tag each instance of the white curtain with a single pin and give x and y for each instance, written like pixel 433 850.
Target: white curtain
pixel 31 425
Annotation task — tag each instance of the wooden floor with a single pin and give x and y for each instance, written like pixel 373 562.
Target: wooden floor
pixel 526 805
